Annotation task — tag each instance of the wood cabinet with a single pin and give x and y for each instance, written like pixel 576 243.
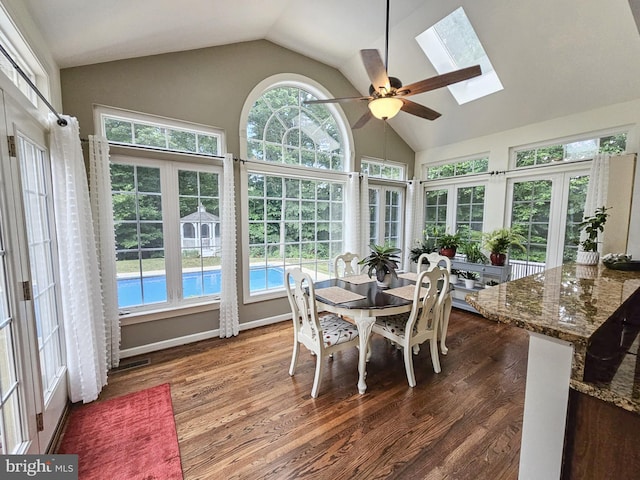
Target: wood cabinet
pixel 487 274
pixel 601 440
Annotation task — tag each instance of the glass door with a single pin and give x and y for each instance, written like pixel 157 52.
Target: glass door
pixel 33 362
pixel 547 211
pixel 38 220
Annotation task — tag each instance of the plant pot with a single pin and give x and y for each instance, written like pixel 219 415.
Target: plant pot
pixel 385 282
pixel 497 259
pixel 448 252
pixel 469 282
pixel 453 279
pixel 587 258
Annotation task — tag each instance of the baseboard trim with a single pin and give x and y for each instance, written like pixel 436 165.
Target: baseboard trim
pixel 196 337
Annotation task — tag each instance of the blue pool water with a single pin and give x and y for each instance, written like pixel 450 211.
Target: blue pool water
pixel 136 291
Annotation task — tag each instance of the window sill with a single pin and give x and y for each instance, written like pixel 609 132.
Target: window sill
pixel 164 313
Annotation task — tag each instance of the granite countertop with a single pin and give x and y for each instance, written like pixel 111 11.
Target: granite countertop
pixel 570 303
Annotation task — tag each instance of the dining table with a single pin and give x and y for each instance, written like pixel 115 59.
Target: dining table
pixel 358 297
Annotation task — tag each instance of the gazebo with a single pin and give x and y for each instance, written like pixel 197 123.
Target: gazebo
pixel 200 232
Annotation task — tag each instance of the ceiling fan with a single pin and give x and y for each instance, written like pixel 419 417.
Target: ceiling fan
pixel 387 95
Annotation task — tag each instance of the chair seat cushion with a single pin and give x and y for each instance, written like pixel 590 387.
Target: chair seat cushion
pixel 394 324
pixel 337 330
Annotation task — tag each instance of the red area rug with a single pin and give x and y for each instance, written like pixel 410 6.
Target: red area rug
pixel 126 438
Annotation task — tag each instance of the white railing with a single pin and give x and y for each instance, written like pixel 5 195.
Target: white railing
pixel 522 268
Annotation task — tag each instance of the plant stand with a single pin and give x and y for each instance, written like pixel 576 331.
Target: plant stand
pixel 485 273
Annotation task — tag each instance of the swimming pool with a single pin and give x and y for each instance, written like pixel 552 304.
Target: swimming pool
pixel 154 288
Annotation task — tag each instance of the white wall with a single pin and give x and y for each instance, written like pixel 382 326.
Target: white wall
pixel 619 116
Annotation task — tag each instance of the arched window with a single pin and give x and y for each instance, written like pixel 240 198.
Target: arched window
pixel 281 128
pixel 295 182
pixel 204 231
pixel 188 231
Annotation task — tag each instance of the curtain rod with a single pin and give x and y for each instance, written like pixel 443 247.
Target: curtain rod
pixel 61 121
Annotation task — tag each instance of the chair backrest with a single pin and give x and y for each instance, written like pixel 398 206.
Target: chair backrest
pixel 346 264
pixel 434 260
pixel 304 310
pixel 425 312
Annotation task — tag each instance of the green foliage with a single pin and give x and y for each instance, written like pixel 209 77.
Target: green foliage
pixel 427 245
pixel 501 239
pixel 383 259
pixel 449 240
pixel 591 226
pixel 468 275
pixel 473 252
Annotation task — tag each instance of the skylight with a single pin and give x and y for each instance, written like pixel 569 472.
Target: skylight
pixel 452 44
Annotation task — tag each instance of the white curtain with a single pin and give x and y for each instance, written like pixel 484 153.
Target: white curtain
pixel 598 181
pixel 81 291
pixel 102 213
pixel 229 317
pixel 598 185
pixel 352 215
pixel 364 214
pixel 410 222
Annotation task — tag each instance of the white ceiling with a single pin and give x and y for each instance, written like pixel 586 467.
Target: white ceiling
pixel 554 57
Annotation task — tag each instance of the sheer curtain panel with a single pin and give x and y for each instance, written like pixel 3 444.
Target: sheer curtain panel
pixel 364 215
pixel 352 215
pixel 229 317
pixel 102 213
pixel 409 224
pixel 84 325
pixel 598 186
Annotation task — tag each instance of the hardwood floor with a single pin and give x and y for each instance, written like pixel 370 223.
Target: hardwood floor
pixel 239 415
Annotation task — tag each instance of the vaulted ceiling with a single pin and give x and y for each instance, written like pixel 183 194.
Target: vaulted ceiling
pixel 554 57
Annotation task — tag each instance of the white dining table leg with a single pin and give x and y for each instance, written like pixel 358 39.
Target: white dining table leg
pixel 365 324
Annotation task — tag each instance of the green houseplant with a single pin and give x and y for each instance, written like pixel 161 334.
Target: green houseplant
pixel 448 243
pixel 591 227
pixel 383 260
pixel 499 241
pixel 473 253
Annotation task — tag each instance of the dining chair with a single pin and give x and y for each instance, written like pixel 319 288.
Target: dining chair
pixel 322 335
pixel 434 260
pixel 346 264
pixel 422 323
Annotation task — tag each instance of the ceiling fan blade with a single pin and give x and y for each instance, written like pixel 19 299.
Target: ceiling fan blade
pixel 333 100
pixel 440 81
pixel 419 110
pixel 375 69
pixel 362 120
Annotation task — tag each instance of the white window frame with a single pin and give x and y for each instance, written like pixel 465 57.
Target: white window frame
pixel 564 141
pixel 559 175
pixel 381 221
pixel 383 163
pixel 279 169
pixel 452 196
pixel 275 170
pixel 170 232
pixel 101 112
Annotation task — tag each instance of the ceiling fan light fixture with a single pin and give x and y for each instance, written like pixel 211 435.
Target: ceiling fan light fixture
pixel 385 108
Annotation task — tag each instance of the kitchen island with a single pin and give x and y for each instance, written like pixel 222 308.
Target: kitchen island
pixel 564 309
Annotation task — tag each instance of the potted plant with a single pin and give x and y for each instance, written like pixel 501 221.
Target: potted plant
pixel 383 260
pixel 449 243
pixel 472 252
pixel 469 278
pixel 453 276
pixel 427 245
pixel 590 228
pixel 498 242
